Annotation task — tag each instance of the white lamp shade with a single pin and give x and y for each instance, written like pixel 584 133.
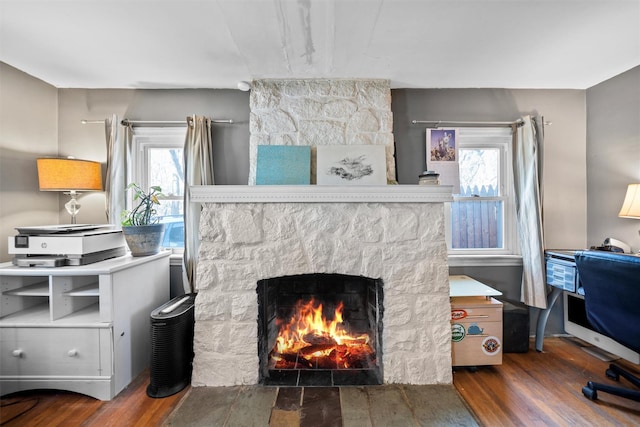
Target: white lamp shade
pixel 631 204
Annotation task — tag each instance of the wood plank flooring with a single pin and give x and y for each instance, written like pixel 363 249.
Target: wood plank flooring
pixel 545 389
pixel 528 389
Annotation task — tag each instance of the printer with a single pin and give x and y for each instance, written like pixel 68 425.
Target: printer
pixel 70 244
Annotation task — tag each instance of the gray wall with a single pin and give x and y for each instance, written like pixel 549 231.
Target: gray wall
pixel 230 141
pixel 28 130
pixel 613 156
pixel 564 156
pixel 564 167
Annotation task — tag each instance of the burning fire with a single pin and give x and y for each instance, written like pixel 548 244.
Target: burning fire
pixel 309 340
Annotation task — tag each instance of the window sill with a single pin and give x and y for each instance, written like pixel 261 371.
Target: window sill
pixel 484 260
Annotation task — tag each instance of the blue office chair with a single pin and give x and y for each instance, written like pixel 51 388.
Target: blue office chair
pixel 611 284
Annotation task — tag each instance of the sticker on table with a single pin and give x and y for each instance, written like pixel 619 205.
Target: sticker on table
pixel 458 314
pixel 457 332
pixel 474 329
pixel 491 346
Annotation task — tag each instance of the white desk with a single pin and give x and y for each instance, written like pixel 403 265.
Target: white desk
pixel 465 286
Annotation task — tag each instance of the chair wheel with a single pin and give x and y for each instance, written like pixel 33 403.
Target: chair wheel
pixel 612 375
pixel 589 393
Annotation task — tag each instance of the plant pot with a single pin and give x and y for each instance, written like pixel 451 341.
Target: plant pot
pixel 143 240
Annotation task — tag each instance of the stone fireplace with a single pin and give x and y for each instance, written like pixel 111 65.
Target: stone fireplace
pixel 392 233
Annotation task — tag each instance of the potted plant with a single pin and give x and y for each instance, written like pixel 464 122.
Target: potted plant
pixel 142 231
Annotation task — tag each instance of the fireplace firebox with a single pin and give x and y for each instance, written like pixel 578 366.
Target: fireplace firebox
pixel 320 330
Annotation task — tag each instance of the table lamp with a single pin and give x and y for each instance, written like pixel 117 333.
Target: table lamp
pixel 631 205
pixel 70 176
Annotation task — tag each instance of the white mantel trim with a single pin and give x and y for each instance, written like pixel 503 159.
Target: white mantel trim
pixel 321 193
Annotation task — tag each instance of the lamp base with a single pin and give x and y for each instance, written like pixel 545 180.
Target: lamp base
pixel 72 206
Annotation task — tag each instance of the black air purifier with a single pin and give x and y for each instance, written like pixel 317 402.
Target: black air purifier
pixel 171 346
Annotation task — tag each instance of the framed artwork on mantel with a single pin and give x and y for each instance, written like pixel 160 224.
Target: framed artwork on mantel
pixel 283 165
pixel 351 165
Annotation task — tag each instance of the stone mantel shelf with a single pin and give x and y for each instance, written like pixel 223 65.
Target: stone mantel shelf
pixel 321 193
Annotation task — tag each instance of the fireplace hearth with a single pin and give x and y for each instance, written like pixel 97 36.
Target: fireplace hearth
pixel 320 330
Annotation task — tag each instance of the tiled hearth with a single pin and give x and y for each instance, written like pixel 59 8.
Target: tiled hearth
pixel 395 233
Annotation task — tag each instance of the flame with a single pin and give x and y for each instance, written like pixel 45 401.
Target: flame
pixel 310 335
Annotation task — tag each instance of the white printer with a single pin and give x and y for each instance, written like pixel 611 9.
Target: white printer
pixel 70 244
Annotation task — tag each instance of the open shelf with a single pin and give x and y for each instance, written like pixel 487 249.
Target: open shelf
pixel 90 290
pixel 40 289
pixel 39 316
pixel 34 315
pixel 86 317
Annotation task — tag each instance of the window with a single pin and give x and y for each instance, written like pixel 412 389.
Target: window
pixel 158 159
pixel 481 220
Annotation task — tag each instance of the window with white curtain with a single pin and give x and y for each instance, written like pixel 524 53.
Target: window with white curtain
pixel 481 219
pixel 158 160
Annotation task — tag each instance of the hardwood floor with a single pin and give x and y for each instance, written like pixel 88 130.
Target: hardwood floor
pixel 545 389
pixel 530 389
pixel 50 408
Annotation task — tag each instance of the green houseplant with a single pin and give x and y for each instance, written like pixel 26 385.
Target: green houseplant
pixel 142 231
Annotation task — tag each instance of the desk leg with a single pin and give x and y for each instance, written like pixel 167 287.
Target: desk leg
pixel 544 316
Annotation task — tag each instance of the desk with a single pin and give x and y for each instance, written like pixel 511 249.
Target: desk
pixel 476 323
pixel 561 276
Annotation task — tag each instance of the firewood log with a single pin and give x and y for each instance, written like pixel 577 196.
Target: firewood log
pixel 309 350
pixel 315 339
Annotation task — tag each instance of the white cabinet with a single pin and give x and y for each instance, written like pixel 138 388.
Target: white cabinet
pixel 84 329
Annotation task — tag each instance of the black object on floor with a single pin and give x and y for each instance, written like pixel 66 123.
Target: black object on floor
pixel 172 327
pixel 515 327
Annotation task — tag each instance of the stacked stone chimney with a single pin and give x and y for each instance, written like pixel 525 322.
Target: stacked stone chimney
pixel 321 112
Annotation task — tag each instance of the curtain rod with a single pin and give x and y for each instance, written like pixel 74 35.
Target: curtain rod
pixel 448 123
pixel 127 122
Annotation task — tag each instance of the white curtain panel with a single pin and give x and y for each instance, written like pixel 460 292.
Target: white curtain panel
pixel 527 142
pixel 119 141
pixel 198 170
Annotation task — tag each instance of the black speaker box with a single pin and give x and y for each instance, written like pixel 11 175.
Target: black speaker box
pixel 515 327
pixel 171 346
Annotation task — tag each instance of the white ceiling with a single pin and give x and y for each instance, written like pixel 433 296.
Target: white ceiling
pixel 415 44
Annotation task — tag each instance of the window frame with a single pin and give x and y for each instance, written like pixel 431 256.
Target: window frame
pixel 143 139
pixel 490 138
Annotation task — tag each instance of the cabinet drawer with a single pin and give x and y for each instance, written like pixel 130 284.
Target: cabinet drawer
pixel 466 313
pixel 56 351
pixel 8 363
pixel 561 274
pixel 476 343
